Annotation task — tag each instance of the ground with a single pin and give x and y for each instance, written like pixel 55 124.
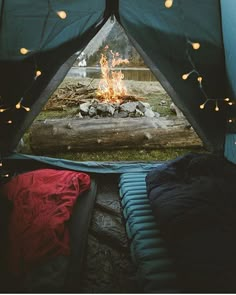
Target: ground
pixel 151 91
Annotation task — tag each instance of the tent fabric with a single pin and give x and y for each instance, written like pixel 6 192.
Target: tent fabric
pixel 161 36
pixel 21 162
pixel 42 202
pixel 228 8
pixel 51 41
pixel 154 267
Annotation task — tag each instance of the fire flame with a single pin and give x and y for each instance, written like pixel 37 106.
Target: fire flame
pixel 111 87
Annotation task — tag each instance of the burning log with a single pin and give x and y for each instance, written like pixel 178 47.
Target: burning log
pixel 74 135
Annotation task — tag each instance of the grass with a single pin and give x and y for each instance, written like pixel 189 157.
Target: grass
pixel 57 114
pixel 124 155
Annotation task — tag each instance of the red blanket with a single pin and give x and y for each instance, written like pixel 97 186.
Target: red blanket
pixel 43 200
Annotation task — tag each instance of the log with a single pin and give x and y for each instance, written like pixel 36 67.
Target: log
pixel 60 135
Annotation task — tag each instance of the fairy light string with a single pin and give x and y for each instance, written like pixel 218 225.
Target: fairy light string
pixel 21 104
pixel 193 45
pixel 37 71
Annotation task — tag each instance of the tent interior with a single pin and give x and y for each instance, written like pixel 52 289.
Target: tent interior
pixel 189 47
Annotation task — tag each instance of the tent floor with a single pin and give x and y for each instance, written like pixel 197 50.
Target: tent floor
pixel 108 266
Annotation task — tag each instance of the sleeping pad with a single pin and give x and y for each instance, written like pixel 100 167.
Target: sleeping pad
pixel 193 199
pixel 42 202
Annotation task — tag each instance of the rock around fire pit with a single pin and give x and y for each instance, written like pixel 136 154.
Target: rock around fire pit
pixel 97 109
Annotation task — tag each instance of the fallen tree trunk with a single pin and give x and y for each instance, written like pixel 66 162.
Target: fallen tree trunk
pixel 60 135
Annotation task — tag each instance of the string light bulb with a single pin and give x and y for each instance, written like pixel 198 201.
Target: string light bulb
pixel 2 110
pixel 216 107
pixel 196 45
pixel 199 79
pixel 202 106
pixel 230 120
pixel 227 99
pixel 62 14
pixel 230 103
pixel 18 105
pixel 24 51
pixel 9 122
pixel 37 74
pixel 1 164
pixel 185 76
pixel 169 3
pixel 25 108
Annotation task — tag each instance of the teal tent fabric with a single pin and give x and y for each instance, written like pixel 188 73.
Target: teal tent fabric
pixel 161 35
pixel 51 41
pixel 36 26
pixel 228 8
pixel 23 162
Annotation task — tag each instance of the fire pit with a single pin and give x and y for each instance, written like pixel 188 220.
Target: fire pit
pixel 112 99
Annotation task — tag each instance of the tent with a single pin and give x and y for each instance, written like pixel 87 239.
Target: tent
pixel 187 44
pixel 37 47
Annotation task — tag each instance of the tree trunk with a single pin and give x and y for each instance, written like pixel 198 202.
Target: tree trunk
pixel 60 135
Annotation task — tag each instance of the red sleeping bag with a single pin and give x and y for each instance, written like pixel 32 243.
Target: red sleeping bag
pixel 42 201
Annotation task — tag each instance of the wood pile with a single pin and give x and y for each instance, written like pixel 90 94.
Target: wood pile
pixel 70 95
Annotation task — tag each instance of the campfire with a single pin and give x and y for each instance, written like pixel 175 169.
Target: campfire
pixel 111 87
pixel 109 99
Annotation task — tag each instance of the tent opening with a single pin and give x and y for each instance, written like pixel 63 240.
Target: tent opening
pixel 138 122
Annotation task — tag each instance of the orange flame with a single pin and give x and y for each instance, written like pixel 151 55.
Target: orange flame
pixel 111 87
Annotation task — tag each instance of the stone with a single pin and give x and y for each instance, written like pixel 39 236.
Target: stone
pixel 176 110
pixel 92 111
pixel 94 102
pixel 122 114
pixel 163 103
pixel 138 113
pixel 79 116
pixel 149 113
pixel 110 109
pixel 84 107
pixel 105 108
pixel 141 107
pixel 146 105
pixel 129 107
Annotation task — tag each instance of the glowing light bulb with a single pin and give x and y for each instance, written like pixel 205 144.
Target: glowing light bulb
pixel 6 175
pixel 216 107
pixel 18 105
pixel 199 79
pixel 202 106
pixel 2 110
pixel 62 14
pixel 230 103
pixel 38 73
pixel 226 99
pixel 185 76
pixel 9 122
pixel 0 164
pixel 230 120
pixel 168 3
pixel 196 45
pixel 26 108
pixel 24 51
